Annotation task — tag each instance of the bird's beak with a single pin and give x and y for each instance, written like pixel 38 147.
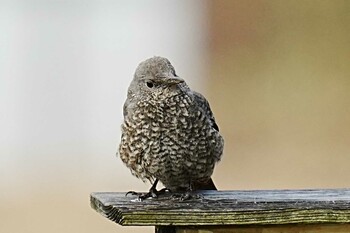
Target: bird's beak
pixel 174 80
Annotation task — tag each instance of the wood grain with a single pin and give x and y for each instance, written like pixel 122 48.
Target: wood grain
pixel 298 228
pixel 259 207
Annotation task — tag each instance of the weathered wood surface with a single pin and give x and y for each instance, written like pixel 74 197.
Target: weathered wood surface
pixel 288 228
pixel 228 208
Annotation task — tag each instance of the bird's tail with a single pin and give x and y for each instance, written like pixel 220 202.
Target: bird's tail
pixel 207 185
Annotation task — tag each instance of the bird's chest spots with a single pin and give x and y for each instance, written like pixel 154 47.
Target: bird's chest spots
pixel 176 111
pixel 172 112
pixel 161 127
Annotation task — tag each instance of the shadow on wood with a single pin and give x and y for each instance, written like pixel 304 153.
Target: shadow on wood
pixel 233 211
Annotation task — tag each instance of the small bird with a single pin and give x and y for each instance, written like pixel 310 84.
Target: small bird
pixel 169 132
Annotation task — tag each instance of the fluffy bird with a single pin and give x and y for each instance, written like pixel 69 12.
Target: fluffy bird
pixel 169 133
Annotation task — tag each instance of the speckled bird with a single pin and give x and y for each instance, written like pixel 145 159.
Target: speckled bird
pixel 169 132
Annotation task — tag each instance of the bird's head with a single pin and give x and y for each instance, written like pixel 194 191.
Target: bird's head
pixel 155 78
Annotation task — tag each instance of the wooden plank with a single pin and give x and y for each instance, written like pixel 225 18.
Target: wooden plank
pixel 319 228
pixel 228 208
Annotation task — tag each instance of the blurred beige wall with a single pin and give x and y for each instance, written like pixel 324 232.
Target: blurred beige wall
pixel 280 88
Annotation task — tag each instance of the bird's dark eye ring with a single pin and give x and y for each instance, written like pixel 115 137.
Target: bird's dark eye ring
pixel 149 84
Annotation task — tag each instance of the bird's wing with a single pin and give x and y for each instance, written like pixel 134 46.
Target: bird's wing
pixel 204 105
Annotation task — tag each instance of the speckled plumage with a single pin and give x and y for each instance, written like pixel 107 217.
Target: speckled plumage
pixel 169 132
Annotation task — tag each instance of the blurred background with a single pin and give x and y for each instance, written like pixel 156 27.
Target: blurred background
pixel 276 74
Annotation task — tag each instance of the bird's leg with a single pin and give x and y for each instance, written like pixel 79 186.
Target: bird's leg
pixel 153 192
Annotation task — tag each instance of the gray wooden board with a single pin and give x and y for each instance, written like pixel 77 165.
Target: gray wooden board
pixel 228 208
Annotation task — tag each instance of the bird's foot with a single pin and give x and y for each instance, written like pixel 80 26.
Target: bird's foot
pixel 186 196
pixel 153 193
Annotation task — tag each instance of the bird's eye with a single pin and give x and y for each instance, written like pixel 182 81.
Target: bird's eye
pixel 149 84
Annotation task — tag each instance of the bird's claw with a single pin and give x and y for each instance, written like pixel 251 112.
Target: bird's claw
pixel 186 196
pixel 153 193
pixel 141 196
